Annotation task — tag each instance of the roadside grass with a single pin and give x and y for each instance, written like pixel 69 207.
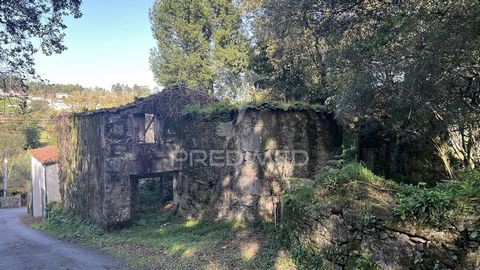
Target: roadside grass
pixel 163 240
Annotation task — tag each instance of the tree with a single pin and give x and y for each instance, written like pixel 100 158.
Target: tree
pixel 32 136
pixel 409 67
pixel 141 90
pixel 290 44
pixel 416 70
pixel 199 43
pixel 22 22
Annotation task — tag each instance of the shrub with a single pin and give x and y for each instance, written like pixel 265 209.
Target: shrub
pixel 352 172
pixel 66 224
pixel 443 204
pixel 192 109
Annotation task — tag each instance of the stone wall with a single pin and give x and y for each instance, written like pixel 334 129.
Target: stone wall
pixel 81 172
pixel 266 141
pixel 103 151
pixel 342 238
pixel 10 201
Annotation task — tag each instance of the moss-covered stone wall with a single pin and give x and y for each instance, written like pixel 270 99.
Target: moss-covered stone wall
pixel 81 165
pixel 101 154
pixel 266 141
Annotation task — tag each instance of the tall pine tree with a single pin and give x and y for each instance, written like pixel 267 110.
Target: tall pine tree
pixel 199 43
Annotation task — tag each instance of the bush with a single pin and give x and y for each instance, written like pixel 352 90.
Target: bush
pixel 439 206
pixel 352 172
pixel 66 225
pixel 443 204
pixel 192 109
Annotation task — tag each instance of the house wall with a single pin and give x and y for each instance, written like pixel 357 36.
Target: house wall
pixel 44 188
pixel 53 188
pixel 268 141
pixel 38 178
pixel 105 154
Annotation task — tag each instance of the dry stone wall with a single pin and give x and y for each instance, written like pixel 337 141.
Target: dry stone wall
pixel 257 152
pixel 10 201
pixel 340 238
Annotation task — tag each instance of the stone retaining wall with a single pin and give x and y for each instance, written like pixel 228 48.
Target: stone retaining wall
pixel 11 202
pixel 339 237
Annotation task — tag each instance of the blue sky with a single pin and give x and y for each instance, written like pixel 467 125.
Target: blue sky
pixel 110 43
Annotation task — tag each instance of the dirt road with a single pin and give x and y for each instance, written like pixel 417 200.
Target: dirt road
pixel 24 248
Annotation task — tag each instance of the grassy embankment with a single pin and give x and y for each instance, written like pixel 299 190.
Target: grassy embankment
pixel 368 198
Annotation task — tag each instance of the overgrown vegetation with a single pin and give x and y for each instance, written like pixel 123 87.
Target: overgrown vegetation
pixel 164 240
pixel 449 202
pixel 222 107
pixel 370 199
pixel 445 204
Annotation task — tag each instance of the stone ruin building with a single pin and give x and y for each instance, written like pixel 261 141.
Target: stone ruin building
pixel 217 166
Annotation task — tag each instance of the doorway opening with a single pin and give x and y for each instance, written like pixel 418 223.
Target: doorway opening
pixel 151 193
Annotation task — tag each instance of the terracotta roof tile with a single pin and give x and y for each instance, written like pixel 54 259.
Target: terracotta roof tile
pixel 45 155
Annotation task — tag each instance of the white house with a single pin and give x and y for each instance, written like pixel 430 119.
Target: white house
pixel 61 95
pixel 45 186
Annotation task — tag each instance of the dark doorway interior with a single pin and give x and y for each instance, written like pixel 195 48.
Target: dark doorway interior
pixel 151 192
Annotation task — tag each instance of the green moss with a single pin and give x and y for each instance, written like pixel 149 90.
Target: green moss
pixel 223 107
pixel 192 109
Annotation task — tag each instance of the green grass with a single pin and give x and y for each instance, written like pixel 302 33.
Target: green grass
pixel 352 172
pixel 163 239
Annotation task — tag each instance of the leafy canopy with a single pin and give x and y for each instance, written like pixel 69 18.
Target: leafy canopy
pixel 28 26
pixel 199 43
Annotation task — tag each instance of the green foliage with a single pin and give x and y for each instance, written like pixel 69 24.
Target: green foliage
pixel 305 258
pixel 219 108
pixel 192 109
pixel 138 90
pixel 199 43
pixel 45 89
pixel 29 27
pixel 364 262
pixel 352 172
pixel 443 204
pixel 6 105
pixel 412 67
pixel 439 206
pixel 67 225
pixel 20 176
pixel 32 136
pixel 368 218
pixel 289 48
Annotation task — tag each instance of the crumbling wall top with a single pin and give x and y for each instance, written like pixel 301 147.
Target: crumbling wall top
pixel 169 103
